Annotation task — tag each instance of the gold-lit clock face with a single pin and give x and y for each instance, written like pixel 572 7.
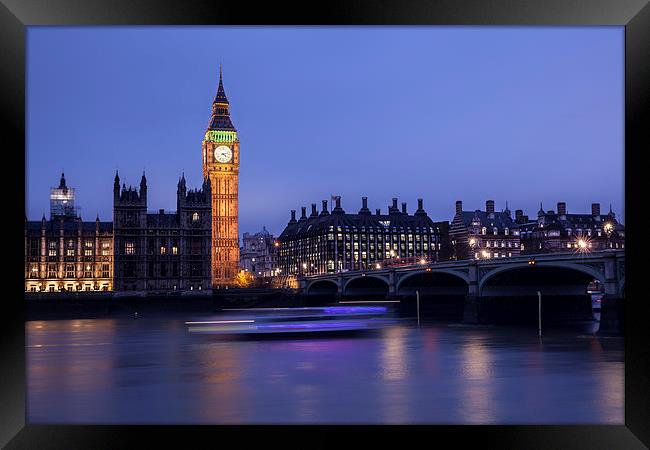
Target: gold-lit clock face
pixel 223 154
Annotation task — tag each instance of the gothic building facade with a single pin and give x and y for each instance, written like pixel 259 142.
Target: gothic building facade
pixel 65 253
pixel 162 251
pixel 484 234
pixel 328 242
pixel 561 232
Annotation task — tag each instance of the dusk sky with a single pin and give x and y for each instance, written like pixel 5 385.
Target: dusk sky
pixel 526 115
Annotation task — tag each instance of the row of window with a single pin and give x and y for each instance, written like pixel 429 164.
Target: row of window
pixel 70 271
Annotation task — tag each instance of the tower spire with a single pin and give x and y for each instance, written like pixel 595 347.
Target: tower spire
pixel 220 119
pixel 221 93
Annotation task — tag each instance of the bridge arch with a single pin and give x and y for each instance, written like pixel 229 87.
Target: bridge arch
pixel 366 285
pixel 441 293
pixel 420 273
pixel 320 287
pixel 584 269
pixel 510 292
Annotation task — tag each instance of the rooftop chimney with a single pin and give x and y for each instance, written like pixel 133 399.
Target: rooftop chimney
pixel 293 216
pixel 459 207
pixel 404 208
pixel 313 210
pixel 364 206
pixel 303 213
pixel 393 209
pixel 378 211
pixel 595 209
pixel 489 206
pixel 324 212
pixel 337 209
pixel 519 215
pixel 420 210
pixel 561 208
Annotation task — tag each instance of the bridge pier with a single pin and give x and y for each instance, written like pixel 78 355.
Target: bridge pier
pixel 474 308
pixel 611 315
pixel 611 309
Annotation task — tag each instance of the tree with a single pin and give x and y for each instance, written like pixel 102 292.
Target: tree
pixel 243 279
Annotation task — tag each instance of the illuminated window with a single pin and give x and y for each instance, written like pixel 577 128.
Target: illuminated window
pixel 162 250
pixel 88 244
pixel 195 217
pixel 106 248
pixel 106 271
pixel 88 272
pixel 69 252
pixel 88 252
pixel 129 248
pixel 69 271
pixel 174 250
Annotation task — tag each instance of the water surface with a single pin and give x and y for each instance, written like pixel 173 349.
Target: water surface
pixel 151 370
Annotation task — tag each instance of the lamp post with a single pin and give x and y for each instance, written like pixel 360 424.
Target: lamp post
pixel 472 246
pixel 608 232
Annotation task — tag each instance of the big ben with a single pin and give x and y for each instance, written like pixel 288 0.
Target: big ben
pixel 221 167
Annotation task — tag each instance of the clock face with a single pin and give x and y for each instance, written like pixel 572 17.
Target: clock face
pixel 223 154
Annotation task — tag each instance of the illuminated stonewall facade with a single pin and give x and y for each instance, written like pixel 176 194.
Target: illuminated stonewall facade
pixel 561 232
pixel 484 234
pixel 66 253
pixel 333 242
pixel 162 251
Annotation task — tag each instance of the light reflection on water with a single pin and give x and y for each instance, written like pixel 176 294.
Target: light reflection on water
pixel 151 370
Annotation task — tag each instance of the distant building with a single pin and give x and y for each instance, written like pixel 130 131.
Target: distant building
pixel 258 254
pixel 561 232
pixel 336 241
pixel 62 200
pixel 162 251
pixel 66 253
pixel 484 234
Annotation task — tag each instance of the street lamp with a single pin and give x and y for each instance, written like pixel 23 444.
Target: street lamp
pixel 609 227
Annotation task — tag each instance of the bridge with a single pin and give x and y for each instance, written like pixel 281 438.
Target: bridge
pixel 483 291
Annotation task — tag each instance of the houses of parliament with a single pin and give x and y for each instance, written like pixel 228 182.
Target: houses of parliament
pixel 195 248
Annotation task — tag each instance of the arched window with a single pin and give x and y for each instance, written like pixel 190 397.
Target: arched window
pixel 195 217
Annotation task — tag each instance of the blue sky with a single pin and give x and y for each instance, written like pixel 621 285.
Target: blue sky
pixel 523 114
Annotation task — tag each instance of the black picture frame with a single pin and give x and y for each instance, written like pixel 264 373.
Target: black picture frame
pixel 634 15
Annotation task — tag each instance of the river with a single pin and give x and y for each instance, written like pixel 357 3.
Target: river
pixel 152 370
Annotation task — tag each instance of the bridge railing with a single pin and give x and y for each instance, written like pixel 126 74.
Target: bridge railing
pixel 537 257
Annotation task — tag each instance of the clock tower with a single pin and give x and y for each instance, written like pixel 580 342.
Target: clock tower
pixel 221 167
